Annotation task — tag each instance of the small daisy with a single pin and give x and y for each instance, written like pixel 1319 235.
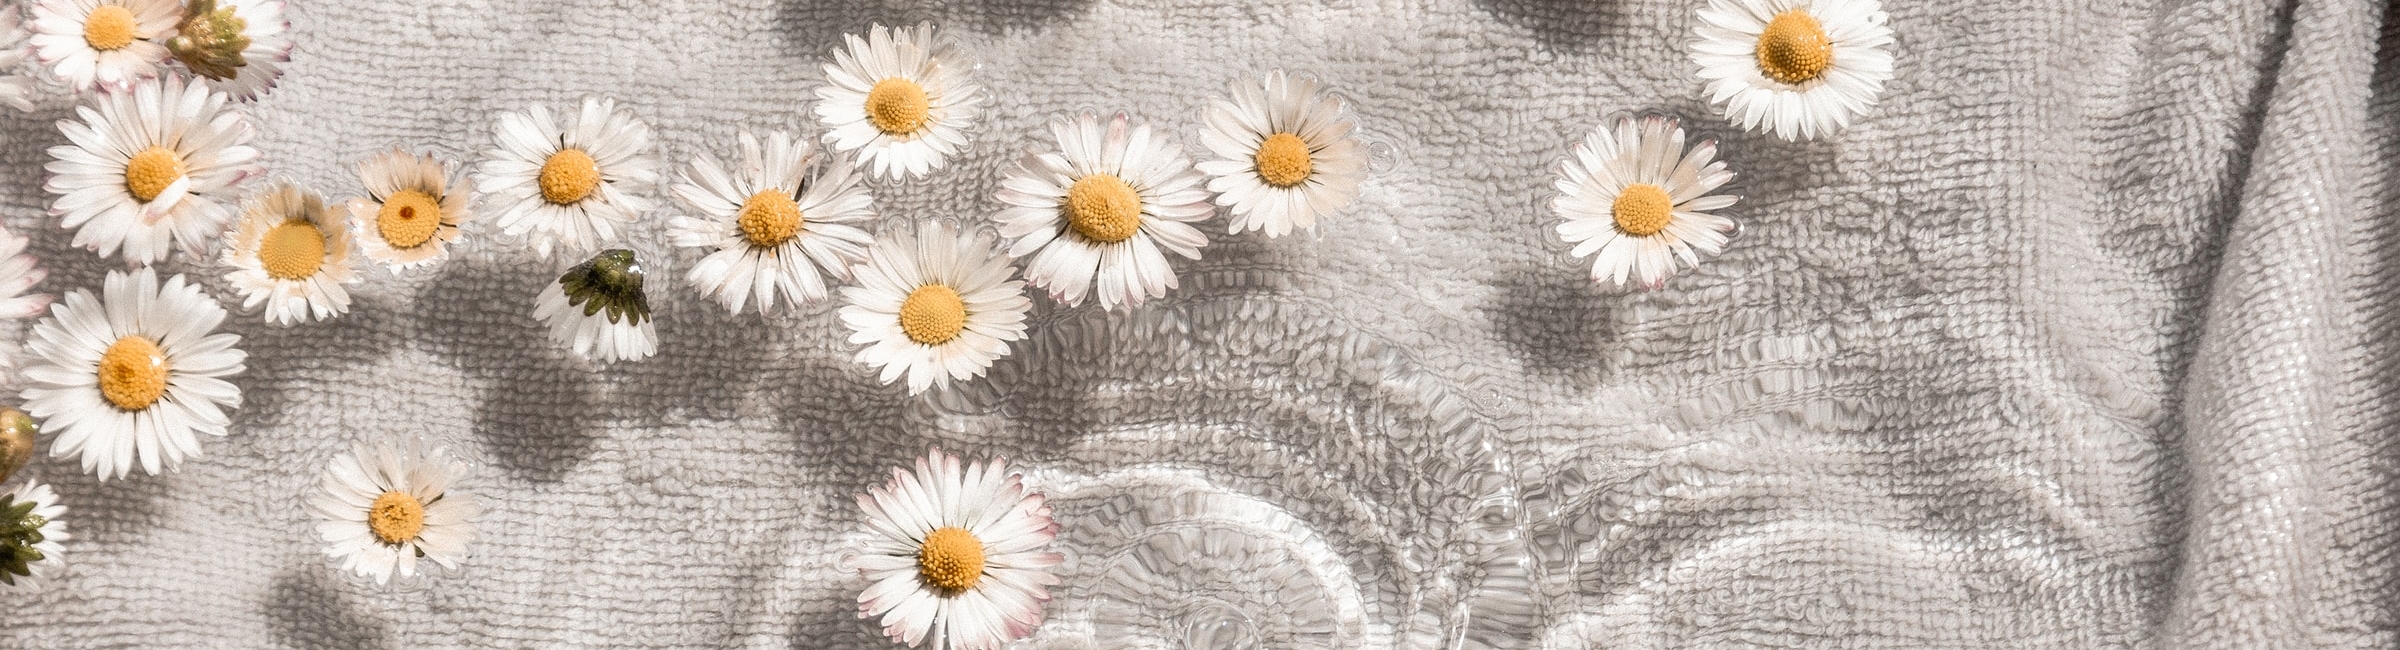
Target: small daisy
pixel 953 554
pixel 385 506
pixel 135 373
pixel 239 46
pixel 771 225
pixel 1285 154
pixel 937 305
pixel 573 187
pixel 17 273
pixel 30 535
pixel 412 209
pixel 290 254
pixel 16 87
pixel 17 433
pixel 1639 200
pixel 1110 204
pixel 598 309
pixel 1799 69
pixel 150 168
pixel 899 99
pixel 102 44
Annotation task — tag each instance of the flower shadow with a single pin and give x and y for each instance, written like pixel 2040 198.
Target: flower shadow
pixel 538 417
pixel 305 610
pixel 1556 322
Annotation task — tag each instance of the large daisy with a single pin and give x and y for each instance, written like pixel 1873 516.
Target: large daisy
pixel 1109 205
pixel 31 535
pixel 134 374
pixel 899 100
pixel 1284 155
pixel 1799 69
pixel 598 309
pixel 954 555
pixel 16 87
pixel 1636 197
pixel 293 256
pixel 412 209
pixel 386 506
pixel 772 227
pixel 936 305
pixel 18 272
pixel 102 44
pixel 569 187
pixel 239 46
pixel 151 168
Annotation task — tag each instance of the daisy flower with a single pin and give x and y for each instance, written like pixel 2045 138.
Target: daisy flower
pixel 937 305
pixel 953 554
pixel 135 373
pixel 573 187
pixel 772 227
pixel 102 44
pixel 598 309
pixel 385 507
pixel 1799 69
pixel 290 254
pixel 239 46
pixel 1639 200
pixel 30 535
pixel 150 168
pixel 412 209
pixel 899 100
pixel 1285 155
pixel 17 273
pixel 1110 204
pixel 16 87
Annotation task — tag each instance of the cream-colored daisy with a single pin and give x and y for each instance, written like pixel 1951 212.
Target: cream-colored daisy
pixel 16 87
pixel 899 99
pixel 239 46
pixel 1633 195
pixel 598 309
pixel 32 536
pixel 1285 154
pixel 953 555
pixel 775 226
pixel 133 375
pixel 1110 204
pixel 936 305
pixel 293 256
pixel 412 209
pixel 568 187
pixel 1799 69
pixel 150 169
pixel 102 44
pixel 387 506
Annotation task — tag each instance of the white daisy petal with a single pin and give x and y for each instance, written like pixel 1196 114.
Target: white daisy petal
pixel 952 584
pixel 385 505
pixel 934 305
pixel 1635 201
pixel 898 100
pixel 128 378
pixel 1797 70
pixel 1113 188
pixel 567 188
pixel 292 255
pixel 151 170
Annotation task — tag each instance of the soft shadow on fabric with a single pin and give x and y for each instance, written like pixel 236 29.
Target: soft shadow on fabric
pixel 537 417
pixel 307 610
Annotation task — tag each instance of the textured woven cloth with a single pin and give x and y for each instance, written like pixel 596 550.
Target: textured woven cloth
pixel 2085 340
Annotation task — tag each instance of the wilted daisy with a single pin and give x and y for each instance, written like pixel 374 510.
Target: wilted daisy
pixel 292 255
pixel 598 309
pixel 1634 196
pixel 31 535
pixel 134 374
pixel 1285 155
pixel 899 100
pixel 239 46
pixel 102 44
pixel 936 304
pixel 151 168
pixel 16 87
pixel 412 209
pixel 773 228
pixel 1109 204
pixel 1800 69
pixel 573 186
pixel 18 273
pixel 386 506
pixel 954 555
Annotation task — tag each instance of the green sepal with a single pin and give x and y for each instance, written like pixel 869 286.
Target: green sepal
pixel 210 40
pixel 610 281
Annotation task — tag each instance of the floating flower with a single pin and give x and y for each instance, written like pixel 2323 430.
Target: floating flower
pixel 1639 200
pixel 937 305
pixel 598 309
pixel 898 100
pixel 1110 204
pixel 572 187
pixel 412 209
pixel 102 44
pixel 239 46
pixel 1285 155
pixel 954 554
pixel 149 168
pixel 291 255
pixel 1800 69
pixel 16 87
pixel 18 273
pixel 31 535
pixel 386 506
pixel 772 227
pixel 134 374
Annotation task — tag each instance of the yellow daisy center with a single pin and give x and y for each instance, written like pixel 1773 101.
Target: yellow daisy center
pixel 149 173
pixel 408 219
pixel 951 559
pixel 569 176
pixel 109 27
pixel 292 250
pixel 898 106
pixel 1794 48
pixel 1102 208
pixel 396 517
pixel 133 373
pixel 1283 160
pixel 933 314
pixel 769 218
pixel 1643 209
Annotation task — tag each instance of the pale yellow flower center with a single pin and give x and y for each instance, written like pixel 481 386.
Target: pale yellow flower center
pixel 898 106
pixel 1794 48
pixel 408 219
pixel 1283 160
pixel 292 250
pixel 569 176
pixel 149 173
pixel 769 218
pixel 951 559
pixel 109 27
pixel 1643 209
pixel 396 517
pixel 1102 208
pixel 933 314
pixel 133 373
